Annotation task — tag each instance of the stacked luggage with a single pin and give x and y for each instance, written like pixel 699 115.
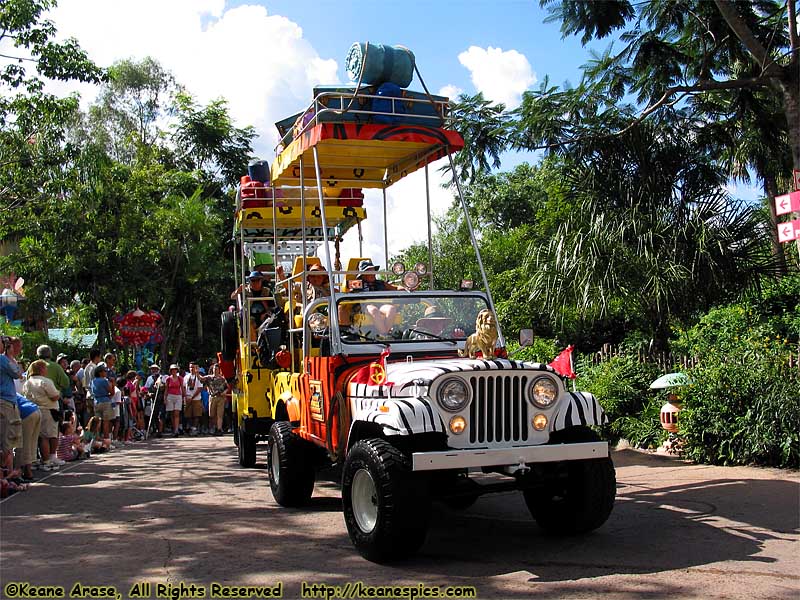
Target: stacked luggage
pixel 377 95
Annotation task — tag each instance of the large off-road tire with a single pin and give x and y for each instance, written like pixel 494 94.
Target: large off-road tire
pixel 581 497
pixel 291 469
pixel 386 505
pixel 246 447
pixel 229 335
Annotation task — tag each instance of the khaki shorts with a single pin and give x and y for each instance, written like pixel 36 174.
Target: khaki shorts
pixel 173 402
pixel 104 410
pixel 31 425
pixel 10 426
pixel 49 426
pixel 193 409
pixel 216 409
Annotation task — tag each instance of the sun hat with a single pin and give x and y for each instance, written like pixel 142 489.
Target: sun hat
pixel 174 366
pixel 155 366
pixel 60 356
pixel 316 267
pixel 366 265
pixel 255 275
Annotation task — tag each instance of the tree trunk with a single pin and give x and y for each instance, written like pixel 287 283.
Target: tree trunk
pixel 199 320
pixel 771 190
pixel 791 106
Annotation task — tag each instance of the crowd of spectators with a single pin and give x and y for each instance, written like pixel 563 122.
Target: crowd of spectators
pixel 58 411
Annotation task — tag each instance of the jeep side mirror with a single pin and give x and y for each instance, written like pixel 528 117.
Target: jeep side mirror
pixel 526 337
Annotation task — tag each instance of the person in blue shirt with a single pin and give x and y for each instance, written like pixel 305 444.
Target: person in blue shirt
pixel 102 391
pixel 10 421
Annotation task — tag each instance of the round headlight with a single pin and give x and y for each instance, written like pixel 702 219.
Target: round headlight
pixel 398 268
pixel 453 394
pixel 421 268
pixel 543 392
pixel 411 280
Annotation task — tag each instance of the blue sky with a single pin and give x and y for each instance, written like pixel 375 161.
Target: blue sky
pixel 437 32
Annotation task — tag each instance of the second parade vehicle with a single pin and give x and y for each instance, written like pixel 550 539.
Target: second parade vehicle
pixel 406 388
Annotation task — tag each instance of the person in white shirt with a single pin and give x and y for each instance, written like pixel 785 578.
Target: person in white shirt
pixel 193 404
pixel 43 392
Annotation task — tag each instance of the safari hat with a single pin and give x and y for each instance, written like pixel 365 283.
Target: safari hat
pixel 255 275
pixel 174 366
pixel 366 265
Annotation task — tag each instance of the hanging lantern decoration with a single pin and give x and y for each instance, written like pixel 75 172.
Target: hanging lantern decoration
pixel 139 328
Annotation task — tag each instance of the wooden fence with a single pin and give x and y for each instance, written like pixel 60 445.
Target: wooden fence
pixel 669 361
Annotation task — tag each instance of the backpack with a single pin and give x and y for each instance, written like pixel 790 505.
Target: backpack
pixel 388 91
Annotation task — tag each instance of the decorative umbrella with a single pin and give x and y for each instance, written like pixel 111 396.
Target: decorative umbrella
pixel 670 380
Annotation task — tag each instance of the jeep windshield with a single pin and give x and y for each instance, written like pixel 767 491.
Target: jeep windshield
pixel 400 317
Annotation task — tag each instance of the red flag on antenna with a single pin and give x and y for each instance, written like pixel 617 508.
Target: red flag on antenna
pixel 563 363
pixel 375 372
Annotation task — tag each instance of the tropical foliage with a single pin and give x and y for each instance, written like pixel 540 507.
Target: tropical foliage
pixel 124 205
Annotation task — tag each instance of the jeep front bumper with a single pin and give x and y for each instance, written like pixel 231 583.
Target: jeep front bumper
pixel 506 457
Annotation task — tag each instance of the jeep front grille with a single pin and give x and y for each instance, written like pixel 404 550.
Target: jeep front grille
pixel 499 409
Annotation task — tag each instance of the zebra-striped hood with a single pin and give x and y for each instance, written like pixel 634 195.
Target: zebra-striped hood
pixel 403 406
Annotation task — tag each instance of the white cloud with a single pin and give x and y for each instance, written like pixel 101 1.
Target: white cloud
pixel 501 76
pixel 450 91
pixel 259 62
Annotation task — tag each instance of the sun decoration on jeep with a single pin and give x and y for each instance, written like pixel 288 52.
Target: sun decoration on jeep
pixel 405 388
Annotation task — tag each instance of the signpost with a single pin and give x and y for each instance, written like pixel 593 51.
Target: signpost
pixel 789 231
pixel 787 203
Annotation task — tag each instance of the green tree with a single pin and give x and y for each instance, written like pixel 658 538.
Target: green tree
pixel 125 218
pixel 711 58
pixel 207 140
pixel 32 122
pixel 651 230
pixel 124 118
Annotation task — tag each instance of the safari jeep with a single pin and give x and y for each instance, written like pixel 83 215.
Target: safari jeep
pixel 408 392
pixel 410 420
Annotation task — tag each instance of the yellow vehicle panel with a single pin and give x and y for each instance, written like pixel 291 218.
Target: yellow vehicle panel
pixel 291 216
pixel 364 156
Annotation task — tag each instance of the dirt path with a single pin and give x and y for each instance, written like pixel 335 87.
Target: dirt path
pixel 180 510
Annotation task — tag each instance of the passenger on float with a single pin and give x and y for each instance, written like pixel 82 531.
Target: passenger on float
pixel 383 316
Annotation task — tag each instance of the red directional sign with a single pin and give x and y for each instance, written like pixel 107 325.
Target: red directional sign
pixel 789 231
pixel 796 177
pixel 787 203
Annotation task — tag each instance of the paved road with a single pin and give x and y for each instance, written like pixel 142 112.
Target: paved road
pixel 175 510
